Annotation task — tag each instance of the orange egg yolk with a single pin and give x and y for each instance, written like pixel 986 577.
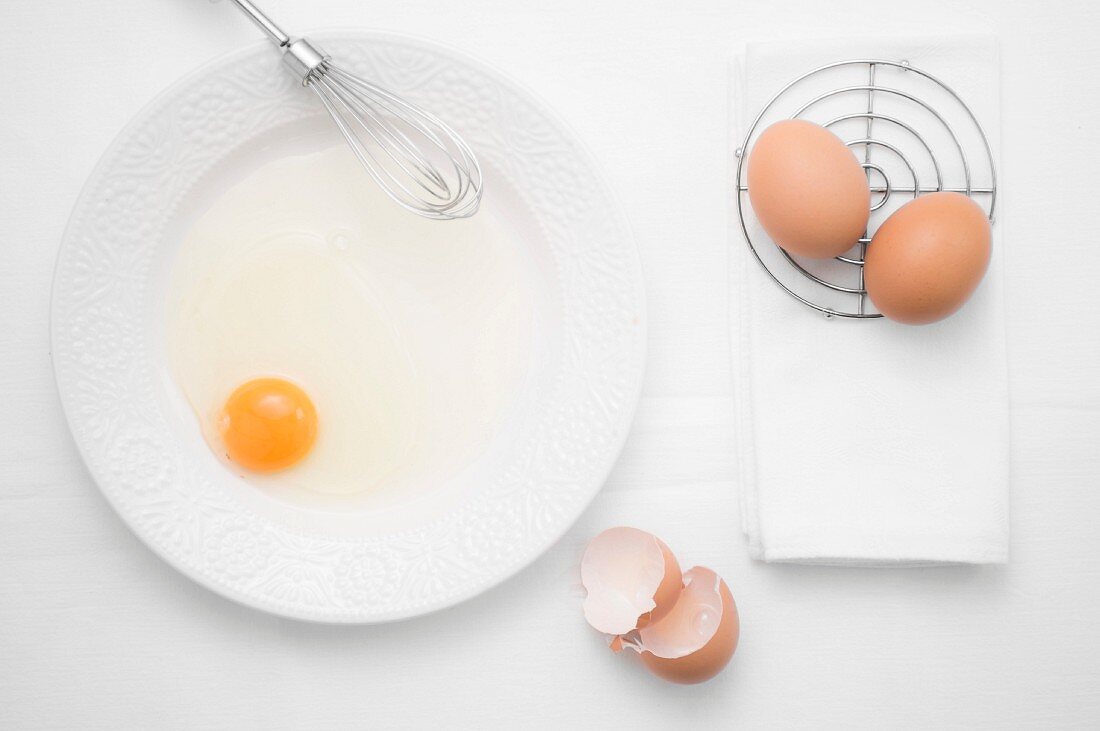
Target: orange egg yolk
pixel 268 424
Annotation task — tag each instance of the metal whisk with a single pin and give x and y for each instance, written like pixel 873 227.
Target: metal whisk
pixel 417 159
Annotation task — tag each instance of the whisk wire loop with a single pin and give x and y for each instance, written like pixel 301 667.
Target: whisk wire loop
pixel 421 162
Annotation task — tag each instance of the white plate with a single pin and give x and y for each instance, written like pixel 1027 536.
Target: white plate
pixel 542 468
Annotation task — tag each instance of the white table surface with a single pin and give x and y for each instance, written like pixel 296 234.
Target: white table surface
pixel 96 632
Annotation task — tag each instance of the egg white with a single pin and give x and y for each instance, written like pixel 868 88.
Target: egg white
pixel 411 336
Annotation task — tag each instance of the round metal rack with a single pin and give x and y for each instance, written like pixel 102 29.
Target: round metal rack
pixel 974 176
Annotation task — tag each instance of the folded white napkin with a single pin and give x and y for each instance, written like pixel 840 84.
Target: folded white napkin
pixel 871 442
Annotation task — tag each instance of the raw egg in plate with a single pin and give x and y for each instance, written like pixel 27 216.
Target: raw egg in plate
pixel 336 350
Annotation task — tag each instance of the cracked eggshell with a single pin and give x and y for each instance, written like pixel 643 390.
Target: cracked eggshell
pixel 696 639
pixel 632 580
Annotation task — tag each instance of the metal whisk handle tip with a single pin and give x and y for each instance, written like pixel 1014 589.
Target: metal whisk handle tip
pixel 303 58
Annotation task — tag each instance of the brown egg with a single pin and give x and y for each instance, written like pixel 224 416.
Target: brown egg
pixel 808 190
pixel 683 625
pixel 927 258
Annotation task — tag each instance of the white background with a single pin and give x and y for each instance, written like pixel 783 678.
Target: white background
pixel 97 632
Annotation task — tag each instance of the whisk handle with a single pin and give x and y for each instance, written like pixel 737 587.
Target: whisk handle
pixel 298 53
pixel 266 24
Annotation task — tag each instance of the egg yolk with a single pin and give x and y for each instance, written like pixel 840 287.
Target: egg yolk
pixel 268 424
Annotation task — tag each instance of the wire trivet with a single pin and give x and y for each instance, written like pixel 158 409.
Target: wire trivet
pixel 962 175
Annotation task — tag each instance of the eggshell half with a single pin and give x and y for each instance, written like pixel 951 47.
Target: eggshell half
pixel 632 579
pixel 807 189
pixel 695 640
pixel 927 258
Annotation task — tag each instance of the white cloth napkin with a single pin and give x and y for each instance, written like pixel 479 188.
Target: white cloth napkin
pixel 870 442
